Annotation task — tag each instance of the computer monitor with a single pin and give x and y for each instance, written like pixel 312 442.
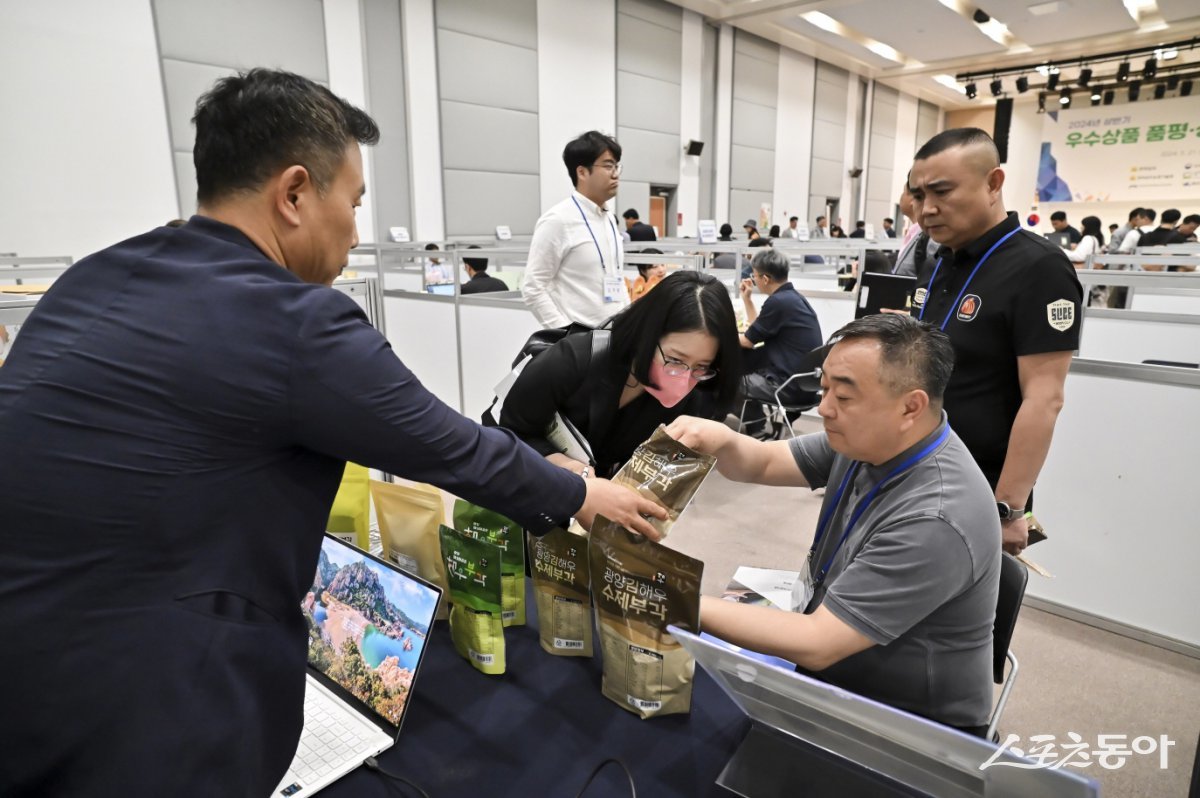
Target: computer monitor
pixel 822 740
pixel 1062 239
pixel 441 289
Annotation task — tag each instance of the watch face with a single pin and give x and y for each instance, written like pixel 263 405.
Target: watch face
pixel 1005 511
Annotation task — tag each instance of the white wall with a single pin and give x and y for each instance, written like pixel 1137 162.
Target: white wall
pixel 577 83
pixel 793 136
pixel 690 121
pixel 84 149
pixel 724 124
pixel 424 114
pixel 906 147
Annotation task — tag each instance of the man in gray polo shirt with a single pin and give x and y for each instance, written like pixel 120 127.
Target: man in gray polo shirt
pixel 906 559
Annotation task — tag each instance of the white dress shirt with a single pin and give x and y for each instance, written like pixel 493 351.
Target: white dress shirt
pixel 1129 243
pixel 1086 246
pixel 575 245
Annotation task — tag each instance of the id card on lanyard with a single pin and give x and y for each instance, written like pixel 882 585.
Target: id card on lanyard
pixel 806 584
pixel 614 284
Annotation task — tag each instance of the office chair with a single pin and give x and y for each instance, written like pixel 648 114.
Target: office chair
pixel 778 413
pixel 1013 578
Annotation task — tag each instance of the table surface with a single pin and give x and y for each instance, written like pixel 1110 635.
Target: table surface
pixel 540 728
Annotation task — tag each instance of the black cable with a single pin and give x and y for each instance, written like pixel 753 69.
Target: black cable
pixel 373 765
pixel 598 768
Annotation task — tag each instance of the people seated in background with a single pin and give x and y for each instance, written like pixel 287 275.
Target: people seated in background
pixel 860 229
pixel 778 337
pixel 637 230
pixel 1058 220
pixel 751 228
pixel 479 281
pixel 435 272
pixel 889 227
pixel 791 230
pixel 916 248
pixel 773 232
pixel 1143 224
pixel 649 275
pixel 821 230
pixel 1188 228
pixel 1112 229
pixel 905 564
pixel 673 352
pixel 726 232
pixel 1118 236
pixel 1165 233
pixel 1091 242
pixel 835 231
pixel 758 242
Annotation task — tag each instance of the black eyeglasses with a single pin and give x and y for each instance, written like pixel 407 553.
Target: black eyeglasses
pixel 677 368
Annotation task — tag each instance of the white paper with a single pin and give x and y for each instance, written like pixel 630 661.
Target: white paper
pixel 773 585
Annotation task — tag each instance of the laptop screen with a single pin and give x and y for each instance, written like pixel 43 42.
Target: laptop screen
pixel 441 289
pixel 368 622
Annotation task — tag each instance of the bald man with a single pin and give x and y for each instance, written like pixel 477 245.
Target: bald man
pixel 1010 302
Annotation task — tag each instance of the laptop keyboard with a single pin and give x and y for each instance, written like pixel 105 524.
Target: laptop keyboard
pixel 333 737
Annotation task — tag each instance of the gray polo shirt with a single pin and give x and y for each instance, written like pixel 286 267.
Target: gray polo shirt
pixel 918 575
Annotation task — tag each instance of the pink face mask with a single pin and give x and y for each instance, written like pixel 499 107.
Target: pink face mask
pixel 671 390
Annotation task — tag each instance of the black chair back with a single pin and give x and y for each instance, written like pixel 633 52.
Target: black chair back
pixel 1013 578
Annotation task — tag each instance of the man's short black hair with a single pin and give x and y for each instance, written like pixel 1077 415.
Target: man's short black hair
pixel 860 224
pixel 1192 218
pixel 644 267
pixel 773 263
pixel 1170 216
pixel 820 219
pixel 889 220
pixel 430 247
pixel 1149 213
pixel 759 242
pixel 1058 216
pixel 478 264
pixel 913 354
pixel 251 125
pixel 1135 213
pixel 630 214
pixel 584 151
pixel 726 231
pixel 955 137
pixel 794 219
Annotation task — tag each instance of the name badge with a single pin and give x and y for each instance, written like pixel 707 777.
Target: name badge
pixel 614 289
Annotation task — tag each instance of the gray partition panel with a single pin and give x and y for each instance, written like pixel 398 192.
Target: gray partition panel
pixel 513 21
pixel 927 122
pixel 185 83
pixel 286 34
pixel 753 125
pixel 708 120
pixel 647 49
pixel 488 139
pixel 476 70
pixel 879 188
pixel 754 80
pixel 650 156
pixel 647 103
pixel 829 140
pixel 478 201
pixel 660 13
pixel 745 205
pixel 755 47
pixel 389 184
pixel 826 178
pixel 752 168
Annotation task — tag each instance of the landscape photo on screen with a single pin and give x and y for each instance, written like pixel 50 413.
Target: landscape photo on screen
pixel 367 626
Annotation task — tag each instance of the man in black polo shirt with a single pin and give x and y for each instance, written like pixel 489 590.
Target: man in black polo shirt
pixel 1009 300
pixel 481 282
pixel 778 337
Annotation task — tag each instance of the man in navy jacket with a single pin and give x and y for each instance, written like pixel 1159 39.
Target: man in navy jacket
pixel 174 421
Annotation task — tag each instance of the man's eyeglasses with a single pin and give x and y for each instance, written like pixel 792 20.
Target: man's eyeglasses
pixel 677 368
pixel 612 167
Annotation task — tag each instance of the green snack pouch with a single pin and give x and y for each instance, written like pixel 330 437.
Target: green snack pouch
pixel 478 522
pixel 640 587
pixel 559 561
pixel 409 518
pixel 667 473
pixel 473 571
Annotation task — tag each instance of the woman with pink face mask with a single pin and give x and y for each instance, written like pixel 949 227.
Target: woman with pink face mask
pixel 674 352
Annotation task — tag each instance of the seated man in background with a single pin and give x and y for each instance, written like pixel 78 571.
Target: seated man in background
pixel 480 281
pixel 903 573
pixel 778 338
pixel 636 229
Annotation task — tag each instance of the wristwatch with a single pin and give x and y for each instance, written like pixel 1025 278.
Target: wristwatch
pixel 1008 513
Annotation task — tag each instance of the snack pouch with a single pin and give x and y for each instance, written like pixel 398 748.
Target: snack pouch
pixel 409 517
pixel 350 515
pixel 667 473
pixel 478 522
pixel 559 561
pixel 473 571
pixel 639 588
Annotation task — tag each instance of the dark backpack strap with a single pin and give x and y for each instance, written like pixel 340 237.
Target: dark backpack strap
pixel 922 248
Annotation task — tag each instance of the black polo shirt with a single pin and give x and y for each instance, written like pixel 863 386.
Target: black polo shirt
pixel 788 329
pixel 1024 300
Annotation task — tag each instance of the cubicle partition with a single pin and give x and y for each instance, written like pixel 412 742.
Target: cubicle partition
pixel 31 275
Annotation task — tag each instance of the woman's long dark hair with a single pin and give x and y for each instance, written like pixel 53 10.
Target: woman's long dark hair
pixel 685 301
pixel 1092 227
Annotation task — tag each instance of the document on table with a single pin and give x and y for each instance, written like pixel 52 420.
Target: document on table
pixel 763 586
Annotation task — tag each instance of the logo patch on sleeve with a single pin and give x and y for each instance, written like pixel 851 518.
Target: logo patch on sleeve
pixel 1061 314
pixel 968 309
pixel 919 297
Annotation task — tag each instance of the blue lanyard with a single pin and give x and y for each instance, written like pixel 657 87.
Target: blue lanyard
pixel 938 265
pixel 583 216
pixel 866 500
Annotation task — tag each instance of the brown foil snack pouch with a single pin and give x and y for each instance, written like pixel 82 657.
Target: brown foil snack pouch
pixel 559 564
pixel 668 473
pixel 409 517
pixel 639 588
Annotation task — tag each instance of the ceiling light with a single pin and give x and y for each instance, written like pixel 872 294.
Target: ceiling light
pixel 947 80
pixel 1185 88
pixel 1160 91
pixel 1042 9
pixel 970 91
pixel 1139 8
pixel 822 21
pixel 1065 98
pixel 1042 103
pixel 1108 97
pixel 996 31
pixel 997 87
pixel 1085 75
pixel 1052 82
pixel 1135 88
pixel 1043 70
pixel 1151 68
pixel 1123 71
pixel 1169 54
pixel 1095 95
pixel 883 51
pixel 1022 84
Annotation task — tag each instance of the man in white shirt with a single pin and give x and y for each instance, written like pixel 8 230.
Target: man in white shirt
pixel 1144 223
pixel 790 231
pixel 576 257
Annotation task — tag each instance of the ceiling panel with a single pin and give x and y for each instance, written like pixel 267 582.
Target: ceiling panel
pixel 853 49
pixel 919 29
pixel 1070 19
pixel 1179 10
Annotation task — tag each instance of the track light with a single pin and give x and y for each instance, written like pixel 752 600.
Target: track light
pixel 970 91
pixel 1052 81
pixel 1064 98
pixel 997 87
pixel 1096 95
pixel 1123 71
pixel 1108 97
pixel 1185 88
pixel 1151 68
pixel 1022 84
pixel 1173 83
pixel 1160 91
pixel 1085 75
pixel 1041 102
pixel 1135 88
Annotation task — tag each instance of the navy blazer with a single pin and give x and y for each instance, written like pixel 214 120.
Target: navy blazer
pixel 174 420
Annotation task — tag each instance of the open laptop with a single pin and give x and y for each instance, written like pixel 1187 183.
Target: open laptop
pixel 877 291
pixel 440 289
pixel 368 623
pixel 1062 239
pixel 823 740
